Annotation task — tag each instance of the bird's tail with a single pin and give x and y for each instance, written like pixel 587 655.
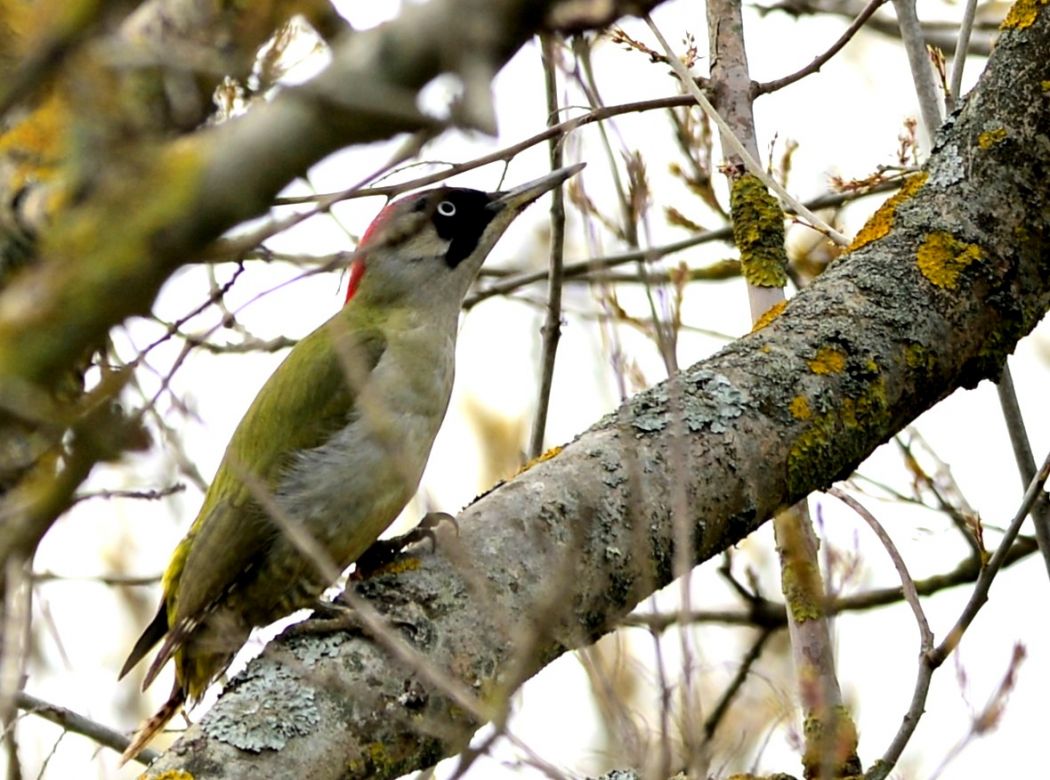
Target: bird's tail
pixel 149 729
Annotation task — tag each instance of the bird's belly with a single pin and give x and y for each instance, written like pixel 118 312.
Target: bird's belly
pixel 347 491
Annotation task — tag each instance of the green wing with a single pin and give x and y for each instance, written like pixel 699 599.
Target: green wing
pixel 310 395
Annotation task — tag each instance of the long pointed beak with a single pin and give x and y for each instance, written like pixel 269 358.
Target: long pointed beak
pixel 521 196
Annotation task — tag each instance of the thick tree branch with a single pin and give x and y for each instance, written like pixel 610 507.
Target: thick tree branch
pixel 940 285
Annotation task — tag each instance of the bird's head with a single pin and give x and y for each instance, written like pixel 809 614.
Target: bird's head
pixel 432 243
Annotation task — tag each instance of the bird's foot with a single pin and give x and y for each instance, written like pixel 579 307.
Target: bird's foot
pixel 384 551
pixel 327 617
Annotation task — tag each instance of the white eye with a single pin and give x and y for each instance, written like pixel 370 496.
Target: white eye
pixel 446 208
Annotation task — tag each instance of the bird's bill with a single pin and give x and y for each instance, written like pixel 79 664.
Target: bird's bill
pixel 522 195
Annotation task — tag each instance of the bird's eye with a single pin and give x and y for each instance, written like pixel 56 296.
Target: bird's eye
pixel 446 208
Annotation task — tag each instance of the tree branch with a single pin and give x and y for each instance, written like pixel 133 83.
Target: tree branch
pixel 941 284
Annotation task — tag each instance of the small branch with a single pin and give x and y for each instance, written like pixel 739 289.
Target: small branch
pixel 120 580
pixel 764 613
pixel 153 494
pixel 752 165
pixel 554 131
pixel 78 724
pixel 1024 457
pixel 574 270
pixel 911 595
pixel 818 63
pixel 962 46
pixel 919 60
pixel 722 707
pixel 933 658
pixel 552 325
pixel 984 582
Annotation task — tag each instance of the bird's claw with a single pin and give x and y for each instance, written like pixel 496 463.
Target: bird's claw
pixel 385 551
pixel 327 617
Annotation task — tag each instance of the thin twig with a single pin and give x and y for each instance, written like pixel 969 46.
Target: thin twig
pixel 984 582
pixel 1024 457
pixel 962 46
pixel 933 658
pixel 722 707
pixel 818 63
pixel 78 724
pixel 152 494
pixel 565 127
pixel 120 580
pixel 573 270
pixel 551 329
pixel 764 613
pixel 752 165
pixel 911 595
pixel 919 60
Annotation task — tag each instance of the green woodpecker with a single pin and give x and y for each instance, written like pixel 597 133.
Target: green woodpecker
pixel 335 442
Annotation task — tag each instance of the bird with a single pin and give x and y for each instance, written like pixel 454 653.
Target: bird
pixel 334 445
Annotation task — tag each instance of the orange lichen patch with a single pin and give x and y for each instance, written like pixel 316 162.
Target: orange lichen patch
pixel 36 145
pixel 769 315
pixel 942 258
pixel 800 408
pixel 990 138
pixel 828 360
pixel 1022 14
pixel 539 459
pixel 882 220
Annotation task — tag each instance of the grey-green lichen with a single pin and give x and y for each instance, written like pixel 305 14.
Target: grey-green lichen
pixel 312 648
pixel 947 168
pixel 708 401
pixel 271 706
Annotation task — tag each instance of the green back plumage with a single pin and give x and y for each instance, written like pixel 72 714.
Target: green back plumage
pixel 305 412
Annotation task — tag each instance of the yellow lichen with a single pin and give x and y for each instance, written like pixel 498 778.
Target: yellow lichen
pixel 539 459
pixel 942 258
pixel 834 438
pixel 36 145
pixel 916 356
pixel 990 138
pixel 799 574
pixel 882 220
pixel 758 231
pixel 769 315
pixel 799 408
pixel 828 360
pixel 1022 14
pixel 400 565
pixel 171 774
pixel 839 747
pixel 1045 84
